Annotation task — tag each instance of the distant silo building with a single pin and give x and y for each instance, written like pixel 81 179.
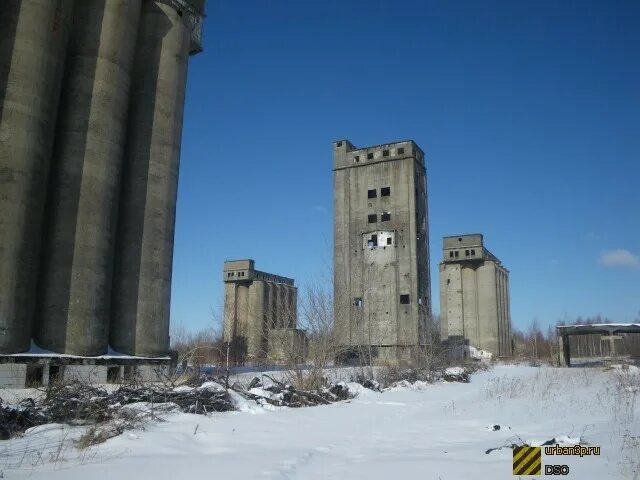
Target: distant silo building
pixel 474 298
pixel 382 292
pixel 91 103
pixel 260 313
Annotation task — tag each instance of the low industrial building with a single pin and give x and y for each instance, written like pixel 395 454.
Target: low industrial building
pixel 474 299
pixel 260 314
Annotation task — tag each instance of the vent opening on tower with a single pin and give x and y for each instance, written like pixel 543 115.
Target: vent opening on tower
pixel 372 193
pixel 372 218
pixel 404 299
pixel 385 191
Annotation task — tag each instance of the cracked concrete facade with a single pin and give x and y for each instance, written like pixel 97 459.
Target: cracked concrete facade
pixel 382 294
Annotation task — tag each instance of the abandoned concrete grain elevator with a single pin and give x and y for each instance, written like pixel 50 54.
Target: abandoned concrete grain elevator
pixel 91 104
pixel 382 300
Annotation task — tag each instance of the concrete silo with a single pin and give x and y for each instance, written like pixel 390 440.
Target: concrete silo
pixel 33 38
pixel 75 281
pixel 143 263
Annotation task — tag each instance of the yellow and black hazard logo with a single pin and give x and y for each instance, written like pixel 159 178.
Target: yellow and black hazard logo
pixel 527 461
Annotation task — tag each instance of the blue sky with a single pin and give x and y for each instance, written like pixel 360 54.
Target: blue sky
pixel 528 112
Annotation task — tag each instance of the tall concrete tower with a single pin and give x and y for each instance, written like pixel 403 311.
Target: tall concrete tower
pixel 169 32
pixel 33 40
pixel 474 297
pixel 75 281
pixel 382 287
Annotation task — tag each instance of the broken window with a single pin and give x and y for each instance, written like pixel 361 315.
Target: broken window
pixel 400 151
pixel 373 241
pixel 369 156
pixel 372 193
pixel 385 153
pixel 404 299
pixel 473 252
pixel 356 159
pixel 385 191
pixel 372 218
pixel 466 253
pixel 456 253
pixel 451 254
pixel 357 302
pixel 385 217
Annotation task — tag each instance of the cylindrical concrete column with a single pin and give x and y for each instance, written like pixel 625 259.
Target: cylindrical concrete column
pixel 142 279
pixel 33 38
pixel 271 305
pixel 75 284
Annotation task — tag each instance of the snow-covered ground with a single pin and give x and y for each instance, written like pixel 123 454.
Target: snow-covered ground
pixel 439 431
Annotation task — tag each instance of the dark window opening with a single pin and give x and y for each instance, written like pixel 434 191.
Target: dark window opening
pixel 385 153
pixel 356 159
pixel 339 144
pixel 385 217
pixel 34 376
pixel 113 374
pixel 456 253
pixel 466 253
pixel 389 240
pixel 404 299
pixel 373 218
pixel 448 281
pixel 459 239
pixel 372 193
pixel 473 252
pixel 357 302
pixel 400 151
pixel 369 156
pixel 385 191
pixel 373 241
pixel 55 373
pixel 451 254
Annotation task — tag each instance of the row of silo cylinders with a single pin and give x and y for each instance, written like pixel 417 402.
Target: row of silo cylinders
pixel 91 103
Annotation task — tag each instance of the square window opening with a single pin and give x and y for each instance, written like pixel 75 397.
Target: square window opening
pixel 372 193
pixel 369 156
pixel 339 144
pixel 357 302
pixel 451 254
pixel 401 151
pixel 373 241
pixel 389 241
pixel 466 253
pixel 385 217
pixel 385 153
pixel 385 191
pixel 356 159
pixel 456 253
pixel 404 299
pixel 473 252
pixel 372 218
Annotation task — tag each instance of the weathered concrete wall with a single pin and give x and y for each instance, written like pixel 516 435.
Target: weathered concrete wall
pixel 381 279
pixel 142 280
pixel 75 297
pixel 13 375
pixel 85 373
pixel 33 39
